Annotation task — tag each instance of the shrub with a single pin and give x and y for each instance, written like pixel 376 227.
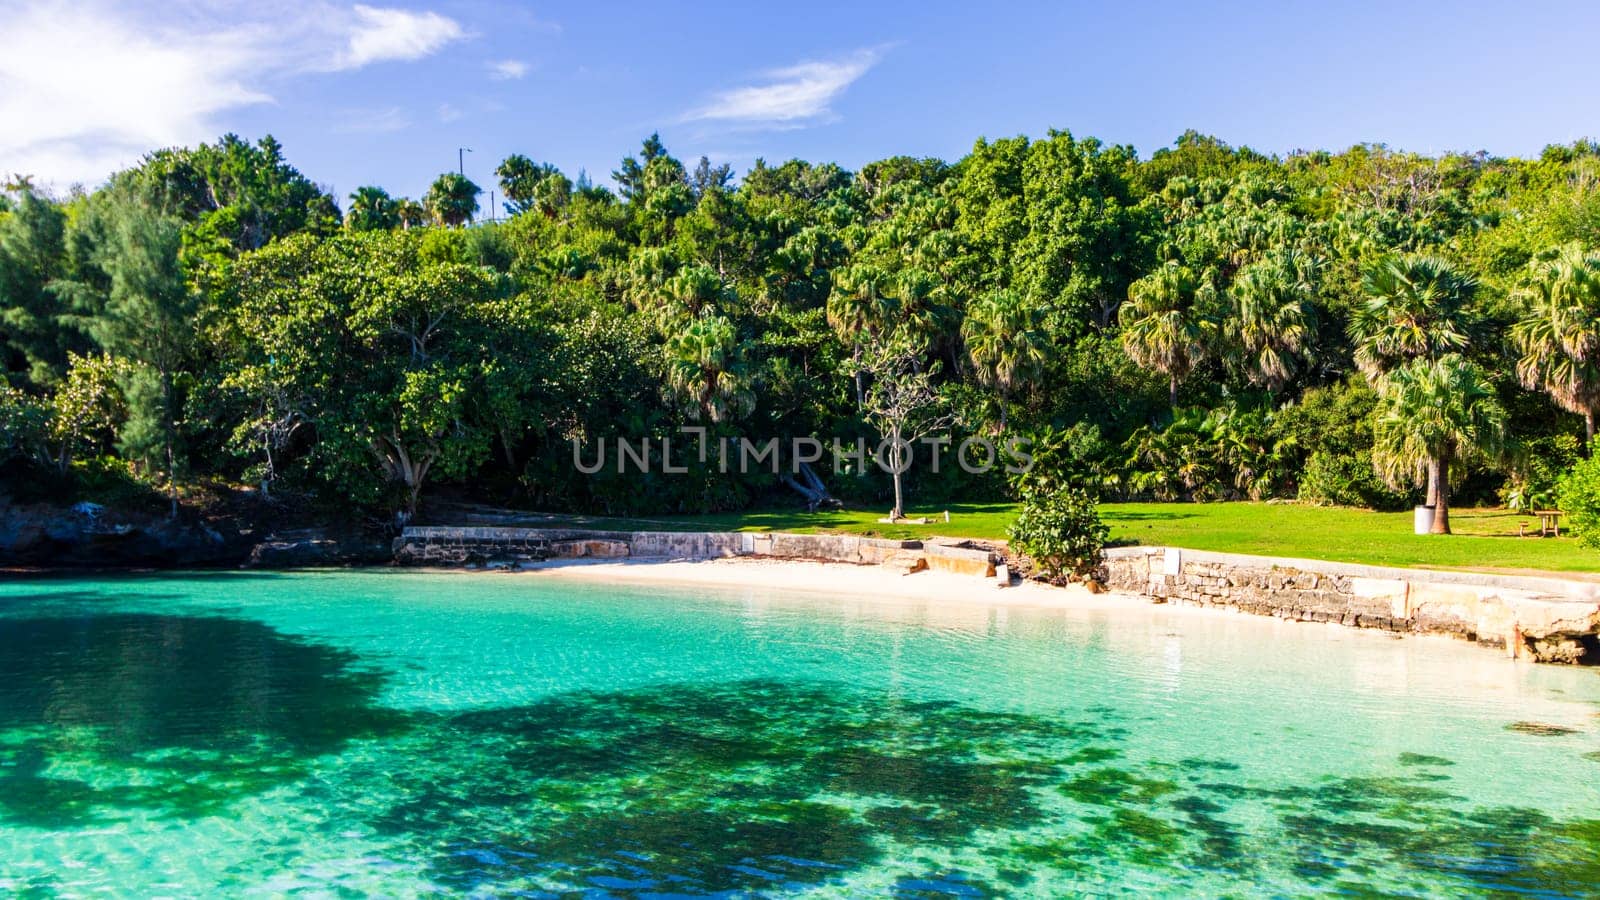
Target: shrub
pixel 1060 531
pixel 1062 457
pixel 1538 466
pixel 24 423
pixel 1347 481
pixel 1578 494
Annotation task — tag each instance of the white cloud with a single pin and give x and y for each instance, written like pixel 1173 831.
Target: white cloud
pixel 87 87
pixel 449 113
pixel 382 35
pixel 80 92
pixel 373 121
pixel 791 94
pixel 507 69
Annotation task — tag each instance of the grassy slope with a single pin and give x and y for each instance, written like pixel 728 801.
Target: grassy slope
pixel 1484 539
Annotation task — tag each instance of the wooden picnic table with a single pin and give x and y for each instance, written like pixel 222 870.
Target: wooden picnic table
pixel 1549 521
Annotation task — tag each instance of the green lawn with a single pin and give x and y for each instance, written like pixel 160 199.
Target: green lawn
pixel 1485 539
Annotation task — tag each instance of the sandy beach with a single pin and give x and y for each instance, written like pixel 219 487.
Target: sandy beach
pixel 837 579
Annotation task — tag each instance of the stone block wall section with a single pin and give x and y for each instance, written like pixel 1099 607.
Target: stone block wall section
pixel 1547 619
pixel 451 546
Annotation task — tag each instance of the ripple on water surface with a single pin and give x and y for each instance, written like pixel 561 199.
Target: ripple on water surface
pixel 400 734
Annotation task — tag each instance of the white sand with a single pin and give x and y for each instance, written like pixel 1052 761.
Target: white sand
pixel 944 593
pixel 834 578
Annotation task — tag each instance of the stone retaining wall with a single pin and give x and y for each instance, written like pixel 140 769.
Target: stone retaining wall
pixel 1549 619
pixel 459 546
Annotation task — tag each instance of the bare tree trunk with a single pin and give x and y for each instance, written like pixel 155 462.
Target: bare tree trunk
pixel 266 481
pixel 1433 486
pixel 1172 391
pixel 1440 469
pixel 899 506
pixel 1588 432
pixel 898 464
pixel 861 388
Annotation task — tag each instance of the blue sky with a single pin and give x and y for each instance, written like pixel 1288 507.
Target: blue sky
pixel 384 92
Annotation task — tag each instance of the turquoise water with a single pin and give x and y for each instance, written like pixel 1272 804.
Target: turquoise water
pixel 350 734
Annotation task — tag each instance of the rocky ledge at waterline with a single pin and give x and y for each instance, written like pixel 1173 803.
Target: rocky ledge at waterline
pixel 1543 618
pixel 1546 619
pixel 91 536
pixel 501 547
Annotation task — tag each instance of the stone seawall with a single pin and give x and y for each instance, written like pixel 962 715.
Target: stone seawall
pixel 506 547
pixel 1548 619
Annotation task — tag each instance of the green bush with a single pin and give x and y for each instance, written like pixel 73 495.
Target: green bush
pixel 1578 494
pixel 1538 465
pixel 1347 481
pixel 1060 531
pixel 1332 426
pixel 1062 457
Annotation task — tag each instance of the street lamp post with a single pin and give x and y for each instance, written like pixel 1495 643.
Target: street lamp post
pixel 461 165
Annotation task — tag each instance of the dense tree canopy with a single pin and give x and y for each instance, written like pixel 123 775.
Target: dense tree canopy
pixel 1208 322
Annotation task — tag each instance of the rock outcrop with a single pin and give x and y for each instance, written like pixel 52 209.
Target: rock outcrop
pixel 1546 619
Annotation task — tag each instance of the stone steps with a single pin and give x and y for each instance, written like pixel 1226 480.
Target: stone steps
pixel 906 563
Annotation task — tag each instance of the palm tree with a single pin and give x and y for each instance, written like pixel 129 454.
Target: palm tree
pixel 1559 337
pixel 924 307
pixel 697 289
pixel 1006 342
pixel 518 176
pixel 372 209
pixel 1432 413
pixel 1272 321
pixel 528 185
pixel 1414 310
pixel 452 199
pixel 862 300
pixel 1165 323
pixel 705 365
pixel 859 306
pixel 410 213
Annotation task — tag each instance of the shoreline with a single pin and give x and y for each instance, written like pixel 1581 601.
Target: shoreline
pixel 926 589
pixel 821 576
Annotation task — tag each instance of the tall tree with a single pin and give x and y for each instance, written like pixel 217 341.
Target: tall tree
pixel 1415 309
pixel 1432 413
pixel 147 318
pixel 1271 322
pixel 903 404
pixel 410 213
pixel 404 363
pixel 235 195
pixel 860 307
pixel 372 209
pixel 528 185
pixel 1167 323
pixel 32 256
pixel 1006 343
pixel 1559 337
pixel 705 366
pixel 452 199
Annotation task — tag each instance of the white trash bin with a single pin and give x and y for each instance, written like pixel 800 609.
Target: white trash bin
pixel 1422 519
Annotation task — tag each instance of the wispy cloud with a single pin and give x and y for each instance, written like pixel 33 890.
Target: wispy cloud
pixel 87 87
pixel 507 69
pixel 790 95
pixel 381 35
pixel 373 121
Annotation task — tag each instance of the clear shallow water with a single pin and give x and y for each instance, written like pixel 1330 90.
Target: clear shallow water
pixel 402 734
